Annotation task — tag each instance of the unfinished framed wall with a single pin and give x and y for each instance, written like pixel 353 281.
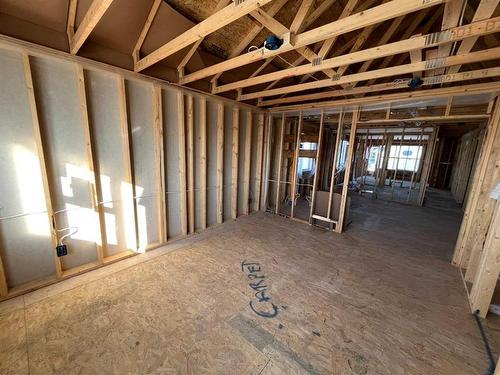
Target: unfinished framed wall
pixel 111 164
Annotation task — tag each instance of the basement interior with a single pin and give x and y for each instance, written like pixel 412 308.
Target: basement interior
pixel 250 187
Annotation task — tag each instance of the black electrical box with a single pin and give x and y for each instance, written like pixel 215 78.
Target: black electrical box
pixel 61 250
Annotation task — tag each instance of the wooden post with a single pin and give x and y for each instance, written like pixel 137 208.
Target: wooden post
pixel 426 168
pixel 417 160
pixel 127 154
pixel 385 162
pixel 345 189
pixel 295 162
pixel 317 161
pixel 181 142
pixel 41 158
pixel 247 160
pixel 488 269
pixel 258 162
pixel 202 142
pixel 280 159
pixel 190 162
pixel 93 165
pixel 220 162
pixel 4 289
pixel 338 143
pixel 234 163
pixel 267 164
pixel 159 163
pixel 474 209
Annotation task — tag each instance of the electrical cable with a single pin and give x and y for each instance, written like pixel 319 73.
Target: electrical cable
pixel 492 364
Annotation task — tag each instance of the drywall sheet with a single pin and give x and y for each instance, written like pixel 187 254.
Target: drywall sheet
pixel 140 107
pixel 242 177
pixel 197 134
pixel 59 113
pixel 103 98
pixel 25 243
pixel 253 161
pixel 228 147
pixel 211 163
pixel 171 149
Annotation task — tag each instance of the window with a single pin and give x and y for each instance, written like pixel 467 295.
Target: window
pixel 405 158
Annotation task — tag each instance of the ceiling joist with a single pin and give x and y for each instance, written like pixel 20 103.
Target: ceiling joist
pixel 215 22
pixel 357 21
pixel 424 41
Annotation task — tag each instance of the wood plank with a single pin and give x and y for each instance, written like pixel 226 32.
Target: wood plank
pixel 160 164
pixel 338 142
pixel 280 160
pixel 339 227
pixel 402 46
pixel 234 162
pixel 428 65
pixel 426 167
pixel 478 88
pixel 451 18
pixel 180 68
pixel 92 17
pixel 416 57
pixel 317 161
pixel 251 35
pixel 181 139
pixel 70 23
pixel 190 162
pixel 93 166
pixel 44 168
pixel 363 19
pixel 127 156
pixel 462 248
pixel 246 162
pixel 301 15
pixel 258 162
pixel 202 144
pixel 145 29
pixel 293 187
pixel 484 11
pixel 213 23
pixel 488 271
pixel 427 81
pixel 220 163
pixel 267 165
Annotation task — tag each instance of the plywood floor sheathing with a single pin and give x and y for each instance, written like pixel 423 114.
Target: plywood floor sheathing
pixel 380 299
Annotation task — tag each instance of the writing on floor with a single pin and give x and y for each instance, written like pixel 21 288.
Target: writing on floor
pixel 262 304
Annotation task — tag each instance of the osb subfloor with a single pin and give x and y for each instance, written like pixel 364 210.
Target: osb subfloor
pixel 380 299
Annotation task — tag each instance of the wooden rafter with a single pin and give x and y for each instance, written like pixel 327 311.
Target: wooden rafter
pixel 424 41
pixel 252 34
pixel 410 30
pixel 215 22
pixel 484 11
pixel 70 24
pixel 479 88
pixel 94 14
pixel 484 55
pixel 357 21
pixel 451 18
pixel 428 81
pixel 279 29
pixel 180 68
pixel 301 15
pixel 145 30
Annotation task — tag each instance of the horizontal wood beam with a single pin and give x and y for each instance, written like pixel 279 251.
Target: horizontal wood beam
pixel 356 21
pixel 403 84
pixel 479 88
pixel 230 13
pixel 92 17
pixel 472 57
pixel 403 46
